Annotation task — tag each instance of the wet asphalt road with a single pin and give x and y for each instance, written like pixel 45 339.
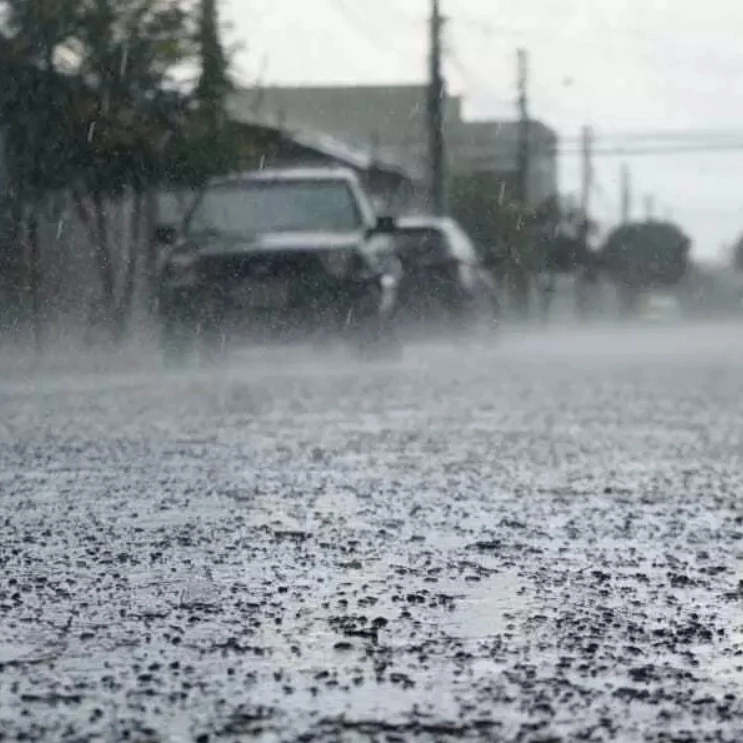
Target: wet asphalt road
pixel 536 542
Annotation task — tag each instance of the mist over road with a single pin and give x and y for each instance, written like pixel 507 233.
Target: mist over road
pixel 536 541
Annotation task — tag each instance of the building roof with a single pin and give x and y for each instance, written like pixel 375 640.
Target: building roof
pixel 367 126
pixel 325 144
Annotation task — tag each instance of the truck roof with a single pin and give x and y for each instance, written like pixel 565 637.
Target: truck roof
pixel 425 221
pixel 316 173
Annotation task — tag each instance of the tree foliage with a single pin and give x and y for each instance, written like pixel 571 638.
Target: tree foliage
pixel 92 107
pixel 500 227
pixel 644 255
pixel 551 237
pixel 214 80
pixel 207 143
pixel 564 235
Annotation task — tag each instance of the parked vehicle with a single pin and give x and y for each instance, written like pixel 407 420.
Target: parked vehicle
pixel 444 284
pixel 659 307
pixel 285 253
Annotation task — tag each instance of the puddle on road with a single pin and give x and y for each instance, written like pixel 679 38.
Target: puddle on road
pixel 487 608
pixel 16 653
pixel 469 612
pixel 724 666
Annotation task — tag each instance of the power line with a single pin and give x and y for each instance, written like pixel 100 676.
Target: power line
pixel 683 136
pixel 363 25
pixel 418 21
pixel 656 150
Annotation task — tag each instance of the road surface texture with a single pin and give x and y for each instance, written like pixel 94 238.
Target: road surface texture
pixel 536 542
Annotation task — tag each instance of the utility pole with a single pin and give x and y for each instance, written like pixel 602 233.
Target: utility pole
pixel 587 170
pixel 649 207
pixel 523 112
pixel 588 275
pixel 586 182
pixel 626 214
pixel 436 101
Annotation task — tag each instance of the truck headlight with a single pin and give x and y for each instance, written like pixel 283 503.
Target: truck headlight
pixel 339 263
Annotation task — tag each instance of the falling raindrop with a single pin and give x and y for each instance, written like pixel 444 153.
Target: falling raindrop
pixel 124 60
pixel 91 131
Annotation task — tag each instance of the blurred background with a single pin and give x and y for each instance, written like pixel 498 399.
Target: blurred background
pixel 588 151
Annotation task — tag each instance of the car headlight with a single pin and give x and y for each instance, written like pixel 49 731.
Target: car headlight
pixel 339 263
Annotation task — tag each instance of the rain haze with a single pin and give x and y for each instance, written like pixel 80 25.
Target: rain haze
pixel 334 410
pixel 663 73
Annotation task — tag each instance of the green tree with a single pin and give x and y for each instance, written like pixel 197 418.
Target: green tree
pixel 101 112
pixel 645 255
pixel 208 144
pixel 525 247
pixel 128 51
pixel 33 102
pixel 564 236
pixel 214 82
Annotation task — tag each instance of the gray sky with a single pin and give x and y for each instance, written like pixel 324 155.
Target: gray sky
pixel 622 66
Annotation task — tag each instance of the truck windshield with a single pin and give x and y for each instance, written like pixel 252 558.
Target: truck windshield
pixel 255 208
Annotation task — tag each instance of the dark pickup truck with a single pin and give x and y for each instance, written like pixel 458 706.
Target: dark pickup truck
pixel 293 254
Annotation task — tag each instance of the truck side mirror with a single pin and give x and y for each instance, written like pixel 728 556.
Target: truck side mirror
pixel 386 225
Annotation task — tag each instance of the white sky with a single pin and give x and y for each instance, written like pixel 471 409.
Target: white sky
pixel 622 66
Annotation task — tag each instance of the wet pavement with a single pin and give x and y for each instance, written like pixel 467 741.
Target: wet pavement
pixel 540 541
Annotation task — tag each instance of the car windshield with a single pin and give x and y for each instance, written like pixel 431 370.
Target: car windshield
pixel 255 208
pixel 422 245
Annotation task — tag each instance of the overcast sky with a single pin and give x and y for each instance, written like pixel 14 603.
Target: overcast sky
pixel 621 66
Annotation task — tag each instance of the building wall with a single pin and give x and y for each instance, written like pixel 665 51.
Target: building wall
pixel 388 121
pixel 493 147
pixel 391 122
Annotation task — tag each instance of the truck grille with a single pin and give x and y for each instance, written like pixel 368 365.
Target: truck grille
pixel 291 265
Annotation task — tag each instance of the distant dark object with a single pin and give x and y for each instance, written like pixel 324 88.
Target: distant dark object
pixel 164 234
pixel 646 255
pixel 386 225
pixel 444 283
pixel 566 254
pixel 279 254
pixel 565 236
pixel 738 255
